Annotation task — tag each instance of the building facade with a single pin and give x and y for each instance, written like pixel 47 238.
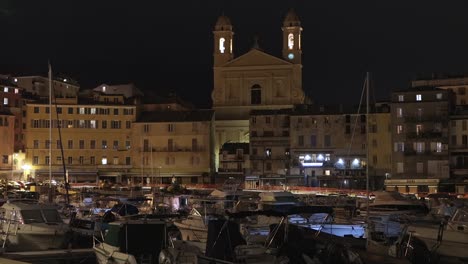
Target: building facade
pixel 253 81
pixel 420 135
pixel 176 144
pixel 94 136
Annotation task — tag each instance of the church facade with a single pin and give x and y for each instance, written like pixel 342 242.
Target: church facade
pixel 253 81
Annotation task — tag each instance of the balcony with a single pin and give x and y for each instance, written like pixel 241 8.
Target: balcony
pixel 230 170
pixel 428 134
pixel 411 152
pixel 174 149
pixel 114 166
pixel 421 119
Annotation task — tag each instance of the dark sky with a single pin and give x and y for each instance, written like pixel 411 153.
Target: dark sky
pixel 167 45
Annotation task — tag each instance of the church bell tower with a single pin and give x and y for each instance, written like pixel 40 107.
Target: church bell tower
pixel 223 37
pixel 292 29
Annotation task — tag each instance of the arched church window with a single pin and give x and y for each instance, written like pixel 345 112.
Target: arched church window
pixel 230 46
pixel 221 45
pixel 291 41
pixel 256 94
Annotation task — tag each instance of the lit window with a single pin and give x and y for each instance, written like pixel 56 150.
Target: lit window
pixel 419 129
pixel 401 98
pixel 400 168
pixel 439 96
pixel 418 97
pixel 16 80
pixel 16 91
pixel 438 146
pixel 230 46
pixel 327 172
pixel 399 129
pixel 5 101
pixel 5 89
pixel 399 112
pixel 104 161
pixel 82 111
pixel 103 88
pixel 221 45
pixel 419 147
pixel 290 41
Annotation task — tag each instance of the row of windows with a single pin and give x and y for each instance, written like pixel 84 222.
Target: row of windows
pixel 172 160
pixel 93 124
pixel 419 128
pixel 6 90
pixel 171 145
pixel 6 101
pixel 81 160
pixel 418 97
pixel 88 110
pixel 419 147
pixel 81 144
pixel 301 120
pixel 419 167
pixel 170 127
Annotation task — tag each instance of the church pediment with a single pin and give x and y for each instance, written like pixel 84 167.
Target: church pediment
pixel 256 57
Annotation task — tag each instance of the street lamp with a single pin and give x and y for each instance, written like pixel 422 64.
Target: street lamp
pixel 26 170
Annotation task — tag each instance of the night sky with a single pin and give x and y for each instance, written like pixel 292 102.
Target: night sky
pixel 167 45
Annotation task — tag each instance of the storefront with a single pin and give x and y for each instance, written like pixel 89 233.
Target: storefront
pixel 412 185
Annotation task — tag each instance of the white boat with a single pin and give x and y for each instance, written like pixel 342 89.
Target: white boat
pixel 28 225
pixel 393 203
pixel 450 239
pixel 194 227
pixel 131 242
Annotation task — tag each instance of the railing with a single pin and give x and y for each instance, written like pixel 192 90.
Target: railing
pixel 174 149
pixel 431 118
pixel 410 152
pixel 428 134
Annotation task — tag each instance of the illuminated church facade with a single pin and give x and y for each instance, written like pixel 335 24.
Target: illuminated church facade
pixel 253 81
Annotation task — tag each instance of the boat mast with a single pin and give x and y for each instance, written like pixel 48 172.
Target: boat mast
pixel 50 132
pixel 367 151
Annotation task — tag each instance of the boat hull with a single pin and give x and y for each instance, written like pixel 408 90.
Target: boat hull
pixel 107 254
pixel 192 232
pixel 35 241
pixel 454 242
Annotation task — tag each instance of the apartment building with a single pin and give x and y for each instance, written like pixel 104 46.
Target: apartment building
pixel 170 144
pixel 94 134
pixel 420 134
pixel 7 157
pixel 328 146
pixel 234 162
pixel 12 101
pixel 269 147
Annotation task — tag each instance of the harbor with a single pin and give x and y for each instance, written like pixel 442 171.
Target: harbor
pixel 229 224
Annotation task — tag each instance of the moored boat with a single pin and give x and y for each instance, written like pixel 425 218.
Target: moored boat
pixel 28 225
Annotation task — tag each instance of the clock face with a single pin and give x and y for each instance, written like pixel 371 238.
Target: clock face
pixel 290 56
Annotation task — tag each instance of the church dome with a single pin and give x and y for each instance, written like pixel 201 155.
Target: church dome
pixel 223 23
pixel 291 19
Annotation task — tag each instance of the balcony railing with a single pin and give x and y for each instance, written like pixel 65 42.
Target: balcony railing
pixel 174 149
pixel 410 152
pixel 428 134
pixel 417 119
